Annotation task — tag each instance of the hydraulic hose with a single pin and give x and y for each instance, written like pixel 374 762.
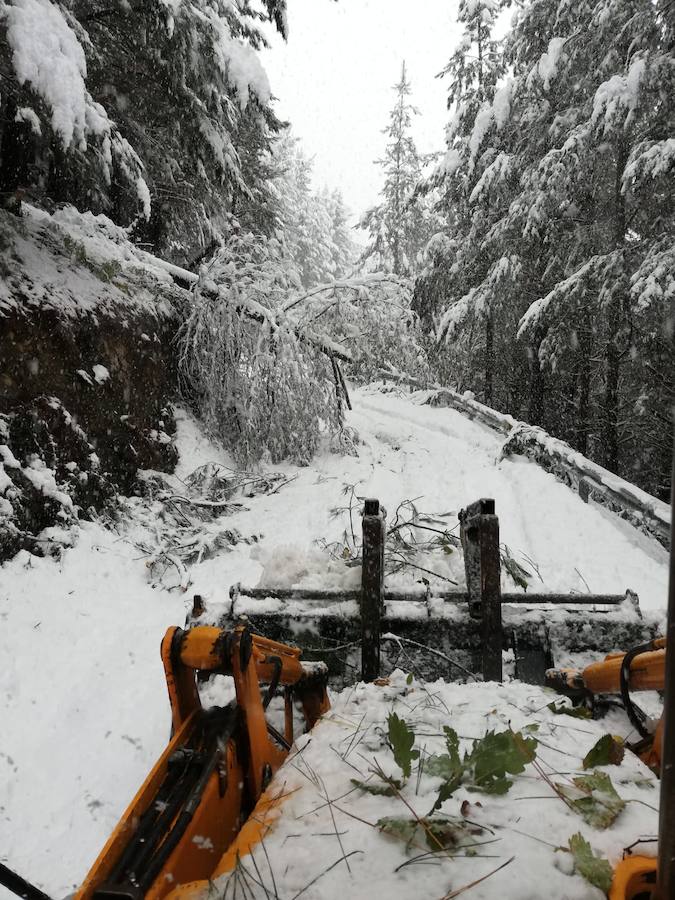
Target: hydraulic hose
pixel 19 886
pixel 635 714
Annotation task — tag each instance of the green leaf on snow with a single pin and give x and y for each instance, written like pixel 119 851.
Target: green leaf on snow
pixel 496 755
pixel 400 828
pixel 379 790
pixel 516 572
pixel 438 832
pixel 485 767
pixel 594 869
pixel 563 709
pixel 594 798
pixel 608 751
pixel 402 738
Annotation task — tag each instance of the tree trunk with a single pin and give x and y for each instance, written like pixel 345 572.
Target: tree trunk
pixel 582 423
pixel 610 438
pixel 535 403
pixel 489 359
pixel 617 302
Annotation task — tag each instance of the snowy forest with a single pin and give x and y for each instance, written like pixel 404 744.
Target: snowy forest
pixel 336 356
pixel 529 261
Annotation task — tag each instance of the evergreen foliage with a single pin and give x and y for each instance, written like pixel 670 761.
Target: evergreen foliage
pixel 261 389
pixel 552 287
pixel 400 226
pixel 155 113
pixel 313 224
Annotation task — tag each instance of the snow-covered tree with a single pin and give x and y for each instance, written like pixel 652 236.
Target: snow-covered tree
pixel 465 178
pixel 56 139
pixel 343 247
pixel 265 384
pixel 312 223
pixel 562 225
pixel 155 107
pixel 604 182
pixel 400 226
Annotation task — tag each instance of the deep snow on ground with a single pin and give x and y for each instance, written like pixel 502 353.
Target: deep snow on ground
pixel 525 825
pixel 83 707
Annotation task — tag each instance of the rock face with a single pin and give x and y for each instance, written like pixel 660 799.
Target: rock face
pixel 87 369
pixel 116 380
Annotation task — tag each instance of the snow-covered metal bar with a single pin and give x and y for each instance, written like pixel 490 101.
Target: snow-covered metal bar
pixel 328 596
pixel 372 586
pixel 480 540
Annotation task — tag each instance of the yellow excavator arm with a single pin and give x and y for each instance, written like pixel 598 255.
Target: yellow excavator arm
pixel 197 802
pixel 641 669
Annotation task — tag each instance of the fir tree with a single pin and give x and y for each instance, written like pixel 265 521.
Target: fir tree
pixel 401 225
pixel 563 220
pixel 467 168
pixel 158 108
pixel 313 224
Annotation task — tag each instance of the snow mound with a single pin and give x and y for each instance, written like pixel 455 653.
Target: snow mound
pixel 335 832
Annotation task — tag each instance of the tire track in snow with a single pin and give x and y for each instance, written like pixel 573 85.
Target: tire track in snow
pixel 539 515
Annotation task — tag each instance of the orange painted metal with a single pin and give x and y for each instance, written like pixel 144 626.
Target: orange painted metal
pixel 647 672
pixel 233 794
pixel 125 828
pixel 651 756
pixel 180 682
pixel 212 830
pixel 252 833
pixel 634 877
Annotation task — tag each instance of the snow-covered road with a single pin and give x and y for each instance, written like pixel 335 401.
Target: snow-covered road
pixel 450 461
pixel 83 712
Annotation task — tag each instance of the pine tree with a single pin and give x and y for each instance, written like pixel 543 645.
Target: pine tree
pixel 312 223
pixel 563 220
pixel 56 140
pixel 343 247
pixel 402 224
pixel 467 169
pixel 605 180
pixel 185 90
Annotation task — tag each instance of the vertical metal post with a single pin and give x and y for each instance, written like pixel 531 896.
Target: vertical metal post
pixel 372 588
pixel 665 885
pixel 198 606
pixel 480 540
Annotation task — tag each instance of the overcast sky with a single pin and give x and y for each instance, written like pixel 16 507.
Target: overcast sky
pixel 334 82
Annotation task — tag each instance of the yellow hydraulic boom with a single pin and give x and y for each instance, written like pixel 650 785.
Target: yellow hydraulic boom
pixel 205 802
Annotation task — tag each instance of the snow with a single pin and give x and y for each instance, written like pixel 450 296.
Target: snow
pixel 451 161
pixel 616 99
pixel 495 172
pixel 43 479
pixel 26 114
pixel 81 264
pixel 548 63
pixel 143 192
pixel 238 62
pixel 484 120
pixel 501 104
pixel 101 374
pixel 527 824
pixel 84 706
pixel 654 159
pixel 48 55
